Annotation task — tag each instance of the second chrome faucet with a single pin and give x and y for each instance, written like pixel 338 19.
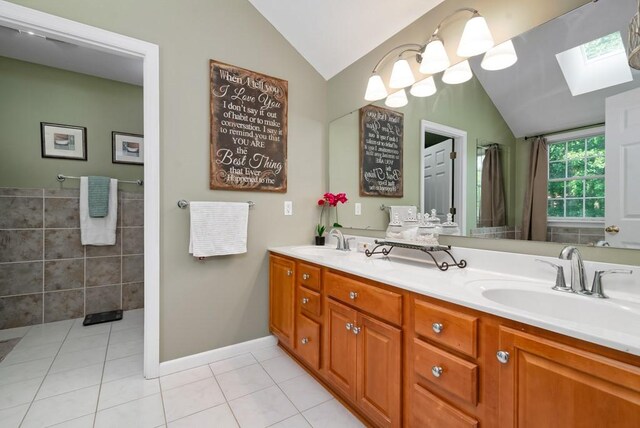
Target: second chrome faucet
pixel 578 282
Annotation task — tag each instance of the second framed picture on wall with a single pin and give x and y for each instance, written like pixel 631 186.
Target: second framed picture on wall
pixel 63 141
pixel 127 148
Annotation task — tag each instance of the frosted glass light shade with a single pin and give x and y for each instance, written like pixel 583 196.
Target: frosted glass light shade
pixel 458 73
pixel 500 57
pixel 401 75
pixel 424 88
pixel 375 89
pixel 397 99
pixel 434 58
pixel 476 37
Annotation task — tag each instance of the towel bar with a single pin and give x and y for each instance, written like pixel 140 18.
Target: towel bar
pixel 62 177
pixel 184 203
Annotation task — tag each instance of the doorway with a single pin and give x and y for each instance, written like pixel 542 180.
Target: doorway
pixel 46 25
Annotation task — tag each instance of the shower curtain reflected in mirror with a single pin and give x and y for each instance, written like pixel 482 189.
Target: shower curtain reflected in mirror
pixel 492 202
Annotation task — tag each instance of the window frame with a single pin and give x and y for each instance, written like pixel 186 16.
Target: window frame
pixel 567 136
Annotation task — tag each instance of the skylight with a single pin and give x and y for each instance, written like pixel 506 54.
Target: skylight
pixel 598 64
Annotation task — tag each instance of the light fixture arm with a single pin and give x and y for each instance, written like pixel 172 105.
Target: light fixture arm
pixel 407 47
pixel 451 15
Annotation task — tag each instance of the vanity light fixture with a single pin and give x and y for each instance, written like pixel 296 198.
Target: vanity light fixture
pixel 397 99
pixel 500 57
pixel 432 57
pixel 459 73
pixel 401 75
pixel 424 88
pixel 375 88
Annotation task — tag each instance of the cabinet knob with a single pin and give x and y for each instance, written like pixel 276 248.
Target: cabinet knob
pixel 306 276
pixel 502 356
pixel 353 295
pixel 356 330
pixel 289 272
pixel 436 371
pixel 349 326
pixel 437 327
pixel 305 300
pixel 304 340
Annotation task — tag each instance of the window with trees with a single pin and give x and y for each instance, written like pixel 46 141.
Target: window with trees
pixel 576 179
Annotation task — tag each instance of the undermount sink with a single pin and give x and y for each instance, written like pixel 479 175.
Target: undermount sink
pixel 321 251
pixel 533 298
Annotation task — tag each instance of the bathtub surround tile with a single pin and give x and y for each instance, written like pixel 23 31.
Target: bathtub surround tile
pixel 16 191
pixel 133 240
pixel 72 192
pixel 20 278
pixel 133 268
pixel 20 213
pixel 19 311
pixel 132 212
pixel 133 296
pixel 61 213
pixel 63 274
pixel 63 305
pixel 103 271
pixel 101 299
pixel 62 244
pixel 106 250
pixel 20 245
pixel 132 195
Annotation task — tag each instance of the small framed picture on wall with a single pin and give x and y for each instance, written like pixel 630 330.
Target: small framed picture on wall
pixel 63 141
pixel 127 148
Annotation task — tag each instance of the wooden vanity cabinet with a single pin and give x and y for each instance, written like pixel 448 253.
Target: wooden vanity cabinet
pixel 547 383
pixel 363 354
pixel 281 298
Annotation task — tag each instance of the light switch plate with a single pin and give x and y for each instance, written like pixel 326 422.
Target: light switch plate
pixel 358 208
pixel 288 207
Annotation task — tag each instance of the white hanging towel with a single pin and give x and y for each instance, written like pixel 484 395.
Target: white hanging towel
pixel 98 230
pixel 218 228
pixel 402 211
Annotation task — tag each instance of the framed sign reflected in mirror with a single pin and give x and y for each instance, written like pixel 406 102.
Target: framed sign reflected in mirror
pixel 127 148
pixel 63 141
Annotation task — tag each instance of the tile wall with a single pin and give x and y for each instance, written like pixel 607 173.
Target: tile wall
pixel 575 235
pixel 502 232
pixel 47 275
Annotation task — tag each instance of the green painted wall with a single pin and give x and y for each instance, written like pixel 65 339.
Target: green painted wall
pixel 34 93
pixel 465 106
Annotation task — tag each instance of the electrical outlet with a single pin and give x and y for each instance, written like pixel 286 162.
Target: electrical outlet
pixel 358 208
pixel 288 207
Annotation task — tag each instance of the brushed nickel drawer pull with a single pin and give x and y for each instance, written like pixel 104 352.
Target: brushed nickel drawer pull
pixel 349 326
pixel 502 356
pixel 306 276
pixel 437 327
pixel 353 295
pixel 436 371
pixel 289 272
pixel 356 330
pixel 305 300
pixel 305 340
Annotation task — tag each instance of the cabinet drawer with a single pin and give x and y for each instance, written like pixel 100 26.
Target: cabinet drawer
pixel 376 301
pixel 457 376
pixel 450 328
pixel 309 301
pixel 308 341
pixel 427 410
pixel 309 275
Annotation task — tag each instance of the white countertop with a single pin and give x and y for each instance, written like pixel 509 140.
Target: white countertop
pixel 613 322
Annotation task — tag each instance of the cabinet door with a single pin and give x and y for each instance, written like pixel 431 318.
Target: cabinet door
pixel 545 383
pixel 340 347
pixel 379 371
pixel 281 298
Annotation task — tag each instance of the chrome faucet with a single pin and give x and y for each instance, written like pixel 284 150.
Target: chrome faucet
pixel 578 274
pixel 343 244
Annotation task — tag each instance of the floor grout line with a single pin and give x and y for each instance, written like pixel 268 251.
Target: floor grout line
pixel 104 365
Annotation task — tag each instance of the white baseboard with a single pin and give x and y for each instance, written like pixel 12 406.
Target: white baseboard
pixel 196 360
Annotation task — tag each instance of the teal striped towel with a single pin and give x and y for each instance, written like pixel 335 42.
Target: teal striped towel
pixel 98 196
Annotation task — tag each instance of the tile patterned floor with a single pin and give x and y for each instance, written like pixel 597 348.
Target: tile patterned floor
pixel 65 375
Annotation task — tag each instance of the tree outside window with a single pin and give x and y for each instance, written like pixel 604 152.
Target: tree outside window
pixel 576 179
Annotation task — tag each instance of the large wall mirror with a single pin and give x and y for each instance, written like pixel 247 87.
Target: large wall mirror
pixel 570 105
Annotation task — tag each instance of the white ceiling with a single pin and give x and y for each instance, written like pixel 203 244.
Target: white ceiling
pixel 333 34
pixel 70 57
pixel 533 96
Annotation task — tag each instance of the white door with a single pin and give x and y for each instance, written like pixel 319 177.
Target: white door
pixel 437 178
pixel 622 169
